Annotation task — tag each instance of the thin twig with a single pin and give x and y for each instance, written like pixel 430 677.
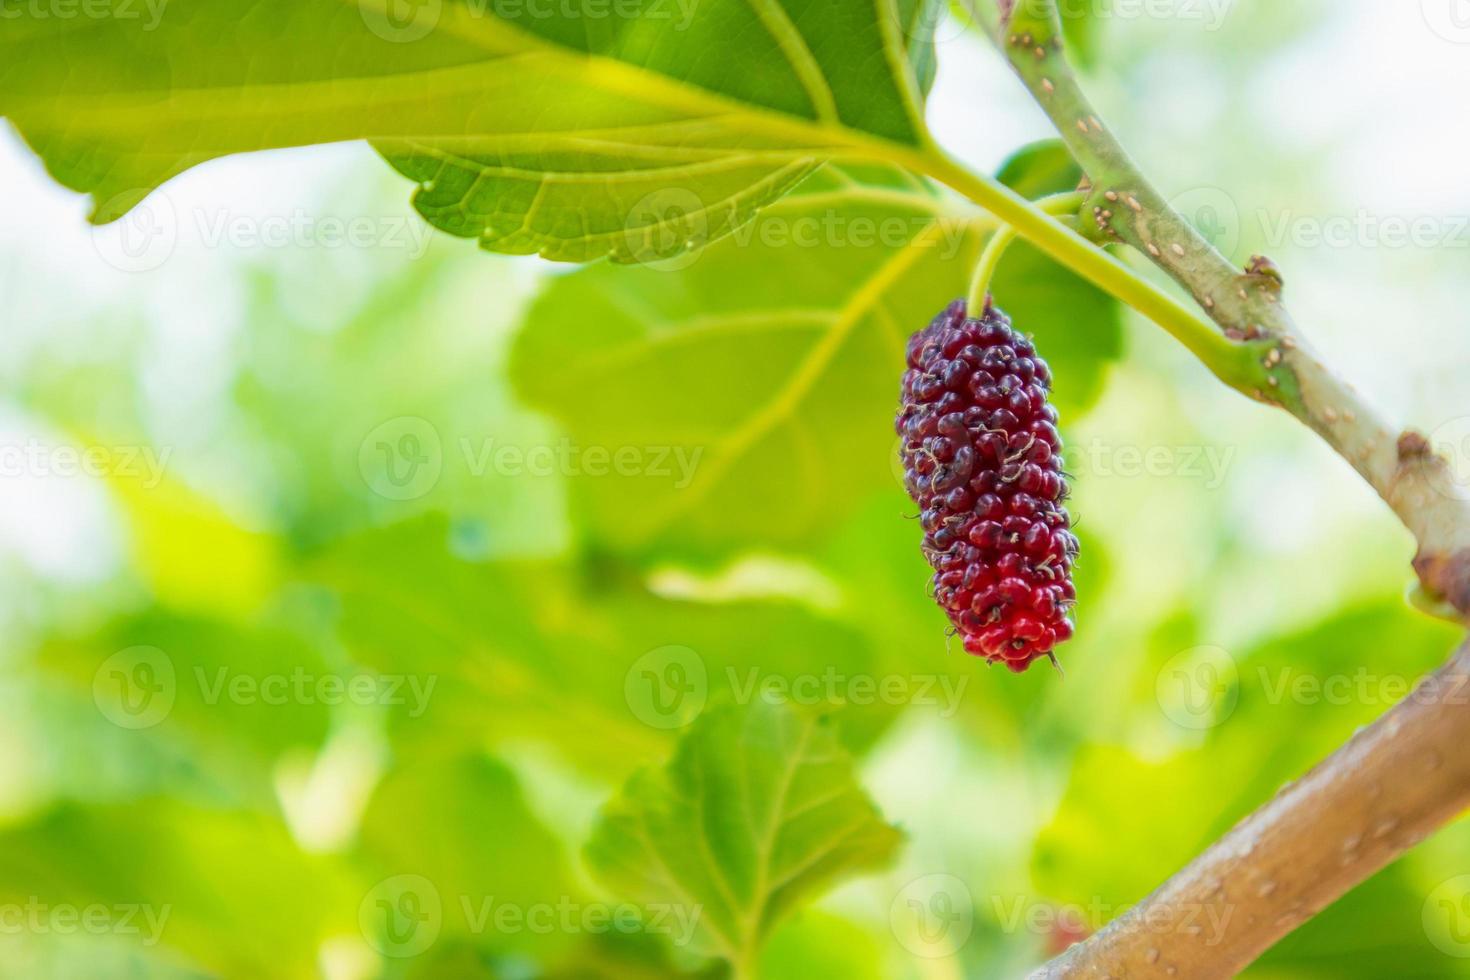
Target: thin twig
pixel 995 249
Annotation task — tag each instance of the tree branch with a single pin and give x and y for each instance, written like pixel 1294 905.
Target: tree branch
pixel 1380 794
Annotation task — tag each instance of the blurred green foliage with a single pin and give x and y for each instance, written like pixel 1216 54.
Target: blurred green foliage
pixel 484 622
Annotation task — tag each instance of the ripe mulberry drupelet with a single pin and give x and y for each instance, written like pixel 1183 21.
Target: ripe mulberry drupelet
pixel 982 458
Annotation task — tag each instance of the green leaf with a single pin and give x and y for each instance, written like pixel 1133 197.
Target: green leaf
pixel 757 811
pixel 575 134
pixel 191 553
pixel 230 889
pixel 475 846
pixel 1081 29
pixel 626 956
pixel 1077 327
pixel 1041 168
pixel 213 705
pixel 819 944
pixel 1375 930
pixel 767 370
pixel 416 358
pixel 552 651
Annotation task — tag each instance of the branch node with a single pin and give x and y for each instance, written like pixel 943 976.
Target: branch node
pixel 1413 447
pixel 1262 268
pixel 1446 577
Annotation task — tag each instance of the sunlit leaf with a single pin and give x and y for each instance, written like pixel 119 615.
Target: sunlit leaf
pixel 574 134
pixel 756 812
pixel 460 827
pixel 214 704
pixel 555 652
pixel 1041 168
pixel 193 555
pixel 763 377
pixel 228 889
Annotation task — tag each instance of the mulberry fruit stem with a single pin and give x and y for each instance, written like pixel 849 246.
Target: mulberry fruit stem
pixel 1237 365
pixel 985 268
pixel 989 261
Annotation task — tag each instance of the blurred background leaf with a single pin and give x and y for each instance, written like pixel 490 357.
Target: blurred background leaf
pixel 757 810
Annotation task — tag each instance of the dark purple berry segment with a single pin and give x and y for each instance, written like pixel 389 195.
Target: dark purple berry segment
pixel 983 460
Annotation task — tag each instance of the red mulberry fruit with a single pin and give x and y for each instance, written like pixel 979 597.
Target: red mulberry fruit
pixel 982 458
